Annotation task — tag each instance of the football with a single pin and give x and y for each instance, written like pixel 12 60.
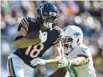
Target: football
pixel 33 34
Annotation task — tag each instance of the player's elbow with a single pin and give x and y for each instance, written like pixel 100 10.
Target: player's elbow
pixel 18 44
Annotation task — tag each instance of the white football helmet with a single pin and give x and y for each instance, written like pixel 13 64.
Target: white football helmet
pixel 73 36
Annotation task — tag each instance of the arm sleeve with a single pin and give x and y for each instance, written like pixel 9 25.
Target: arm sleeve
pixel 84 52
pixel 23 28
pixel 24 24
pixel 82 58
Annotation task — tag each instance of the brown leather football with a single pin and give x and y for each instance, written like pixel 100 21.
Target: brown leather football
pixel 33 34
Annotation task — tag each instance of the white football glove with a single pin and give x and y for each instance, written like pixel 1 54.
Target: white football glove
pixel 42 62
pixel 37 61
pixel 42 36
pixel 63 62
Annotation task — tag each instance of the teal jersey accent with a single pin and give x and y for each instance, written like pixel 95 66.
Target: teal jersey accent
pixel 72 71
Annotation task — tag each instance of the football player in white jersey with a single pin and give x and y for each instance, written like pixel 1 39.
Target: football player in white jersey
pixel 77 58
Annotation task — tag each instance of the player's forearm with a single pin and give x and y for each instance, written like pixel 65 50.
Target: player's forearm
pixel 22 43
pixel 79 61
pixel 57 52
pixel 55 60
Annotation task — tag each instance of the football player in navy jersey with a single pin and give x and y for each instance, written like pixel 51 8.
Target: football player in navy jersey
pixel 35 37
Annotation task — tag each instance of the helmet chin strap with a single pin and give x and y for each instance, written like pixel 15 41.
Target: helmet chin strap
pixel 48 25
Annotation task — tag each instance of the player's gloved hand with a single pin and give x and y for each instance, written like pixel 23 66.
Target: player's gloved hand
pixel 42 62
pixel 35 61
pixel 38 61
pixel 43 36
pixel 63 63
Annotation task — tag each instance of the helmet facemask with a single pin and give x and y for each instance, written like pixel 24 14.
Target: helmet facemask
pixel 70 42
pixel 66 41
pixel 49 19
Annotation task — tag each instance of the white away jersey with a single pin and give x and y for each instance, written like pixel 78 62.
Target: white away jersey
pixel 86 70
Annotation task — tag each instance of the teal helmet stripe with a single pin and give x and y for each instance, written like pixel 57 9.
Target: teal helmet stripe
pixel 77 33
pixel 72 70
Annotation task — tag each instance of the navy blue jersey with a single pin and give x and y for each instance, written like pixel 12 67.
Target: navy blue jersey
pixel 33 51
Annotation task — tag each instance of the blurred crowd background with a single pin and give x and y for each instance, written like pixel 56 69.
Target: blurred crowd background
pixel 88 15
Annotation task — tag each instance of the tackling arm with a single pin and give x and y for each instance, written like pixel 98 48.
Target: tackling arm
pixel 57 53
pixel 53 61
pixel 80 60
